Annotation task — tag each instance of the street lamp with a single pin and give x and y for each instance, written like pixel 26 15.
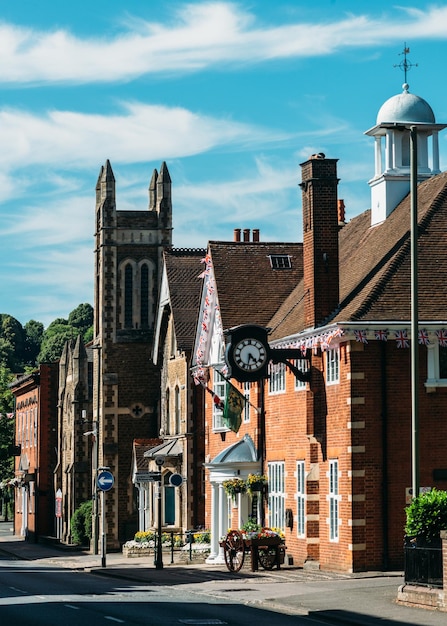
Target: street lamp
pixel 95 454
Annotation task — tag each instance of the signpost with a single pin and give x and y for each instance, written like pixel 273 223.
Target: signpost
pixel 104 482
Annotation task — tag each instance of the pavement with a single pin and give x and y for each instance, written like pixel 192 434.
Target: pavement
pixel 367 598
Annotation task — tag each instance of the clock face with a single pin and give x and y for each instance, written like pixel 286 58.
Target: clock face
pixel 250 355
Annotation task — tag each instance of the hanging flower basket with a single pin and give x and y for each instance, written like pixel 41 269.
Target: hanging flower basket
pixel 233 486
pixel 256 483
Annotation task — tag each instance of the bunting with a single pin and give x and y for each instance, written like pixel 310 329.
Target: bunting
pixel 381 335
pixel 402 338
pixel 423 337
pixel 360 336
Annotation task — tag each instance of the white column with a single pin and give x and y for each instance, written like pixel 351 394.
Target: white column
pixel 214 524
pixel 378 154
pixel 389 150
pixel 435 154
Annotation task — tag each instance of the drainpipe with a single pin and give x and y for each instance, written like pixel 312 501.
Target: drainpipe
pixel 384 412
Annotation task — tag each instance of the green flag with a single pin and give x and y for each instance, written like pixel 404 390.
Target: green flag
pixel 234 405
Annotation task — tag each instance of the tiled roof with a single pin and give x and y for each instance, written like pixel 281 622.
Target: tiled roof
pixel 183 268
pixel 140 446
pixel 375 266
pixel 249 290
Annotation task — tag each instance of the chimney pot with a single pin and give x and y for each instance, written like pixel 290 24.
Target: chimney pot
pixel 256 235
pixel 237 234
pixel 246 234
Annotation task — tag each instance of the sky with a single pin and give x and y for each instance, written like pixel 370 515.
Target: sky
pixel 232 95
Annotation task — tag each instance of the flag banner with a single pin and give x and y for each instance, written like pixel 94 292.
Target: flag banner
pixel 217 401
pixel 234 405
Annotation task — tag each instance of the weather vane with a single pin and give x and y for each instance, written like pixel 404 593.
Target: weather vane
pixel 405 65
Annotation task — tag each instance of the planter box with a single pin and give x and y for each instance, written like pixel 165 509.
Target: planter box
pixel 132 553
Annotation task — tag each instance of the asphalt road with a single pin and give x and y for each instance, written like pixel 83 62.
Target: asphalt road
pixel 44 596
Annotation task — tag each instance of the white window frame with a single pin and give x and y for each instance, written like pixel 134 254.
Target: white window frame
pixel 300 499
pixel 333 500
pixel 277 497
pixel 332 366
pixel 277 378
pixel 220 389
pixel 246 410
pixel 433 367
pixel 303 366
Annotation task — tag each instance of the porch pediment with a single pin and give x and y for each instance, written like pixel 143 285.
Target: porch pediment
pixel 243 451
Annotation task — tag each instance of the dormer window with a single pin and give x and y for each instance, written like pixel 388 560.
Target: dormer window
pixel 280 261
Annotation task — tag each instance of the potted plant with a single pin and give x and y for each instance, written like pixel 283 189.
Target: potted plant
pixel 256 483
pixel 426 516
pixel 233 486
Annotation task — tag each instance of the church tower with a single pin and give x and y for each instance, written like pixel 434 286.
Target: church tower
pixel 391 181
pixel 128 253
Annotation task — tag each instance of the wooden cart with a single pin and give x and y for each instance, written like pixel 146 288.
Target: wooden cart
pixel 265 551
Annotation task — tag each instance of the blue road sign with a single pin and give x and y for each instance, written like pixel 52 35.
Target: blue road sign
pixel 105 480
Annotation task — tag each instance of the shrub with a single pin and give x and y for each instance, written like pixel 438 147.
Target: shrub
pixel 427 515
pixel 81 524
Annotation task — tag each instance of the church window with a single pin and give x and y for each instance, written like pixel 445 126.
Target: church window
pixel 144 296
pixel 168 411
pixel 128 296
pixel 177 409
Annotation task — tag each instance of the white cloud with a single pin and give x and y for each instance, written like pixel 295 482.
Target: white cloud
pixel 141 133
pixel 199 36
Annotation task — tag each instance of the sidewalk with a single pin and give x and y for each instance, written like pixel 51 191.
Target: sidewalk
pixel 366 598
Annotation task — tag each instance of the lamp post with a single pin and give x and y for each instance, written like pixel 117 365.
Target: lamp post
pixel 414 313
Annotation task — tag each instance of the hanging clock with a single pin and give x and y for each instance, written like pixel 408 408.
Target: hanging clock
pixel 248 352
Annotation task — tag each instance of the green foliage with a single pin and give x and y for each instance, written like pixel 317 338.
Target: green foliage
pixel 80 322
pixel 427 515
pixel 81 318
pixel 81 524
pixel 6 425
pixel 34 334
pixel 53 342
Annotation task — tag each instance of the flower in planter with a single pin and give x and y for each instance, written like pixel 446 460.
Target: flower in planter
pixel 256 482
pixel 234 486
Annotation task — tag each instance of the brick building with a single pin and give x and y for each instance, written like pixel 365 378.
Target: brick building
pixel 337 449
pixel 126 384
pixel 181 401
pixel 73 472
pixel 36 433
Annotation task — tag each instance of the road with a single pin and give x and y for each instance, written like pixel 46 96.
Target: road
pixel 38 595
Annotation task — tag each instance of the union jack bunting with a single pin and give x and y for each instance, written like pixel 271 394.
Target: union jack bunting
pixel 381 335
pixel 402 339
pixel 442 337
pixel 360 336
pixel 423 337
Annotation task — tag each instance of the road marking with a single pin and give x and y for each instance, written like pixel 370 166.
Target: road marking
pixel 71 606
pixel 201 622
pixel 16 589
pixel 114 619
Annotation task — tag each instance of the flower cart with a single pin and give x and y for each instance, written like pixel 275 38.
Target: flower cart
pixel 266 549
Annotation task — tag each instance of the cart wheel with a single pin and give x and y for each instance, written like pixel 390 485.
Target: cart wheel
pixel 267 557
pixel 234 550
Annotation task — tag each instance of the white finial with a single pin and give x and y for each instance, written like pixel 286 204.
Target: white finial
pixel 406 87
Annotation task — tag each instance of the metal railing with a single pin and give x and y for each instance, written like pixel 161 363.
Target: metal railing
pixel 423 565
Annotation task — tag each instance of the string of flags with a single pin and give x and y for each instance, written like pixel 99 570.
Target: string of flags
pixel 401 336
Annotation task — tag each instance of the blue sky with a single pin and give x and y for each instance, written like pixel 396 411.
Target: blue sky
pixel 232 95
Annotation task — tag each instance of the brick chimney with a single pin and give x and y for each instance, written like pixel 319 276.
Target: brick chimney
pixel 320 238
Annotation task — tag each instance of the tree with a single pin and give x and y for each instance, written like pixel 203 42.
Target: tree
pixel 81 318
pixel 12 346
pixel 6 424
pixel 34 334
pixel 54 339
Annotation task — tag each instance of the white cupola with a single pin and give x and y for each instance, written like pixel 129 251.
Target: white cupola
pixel 391 182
